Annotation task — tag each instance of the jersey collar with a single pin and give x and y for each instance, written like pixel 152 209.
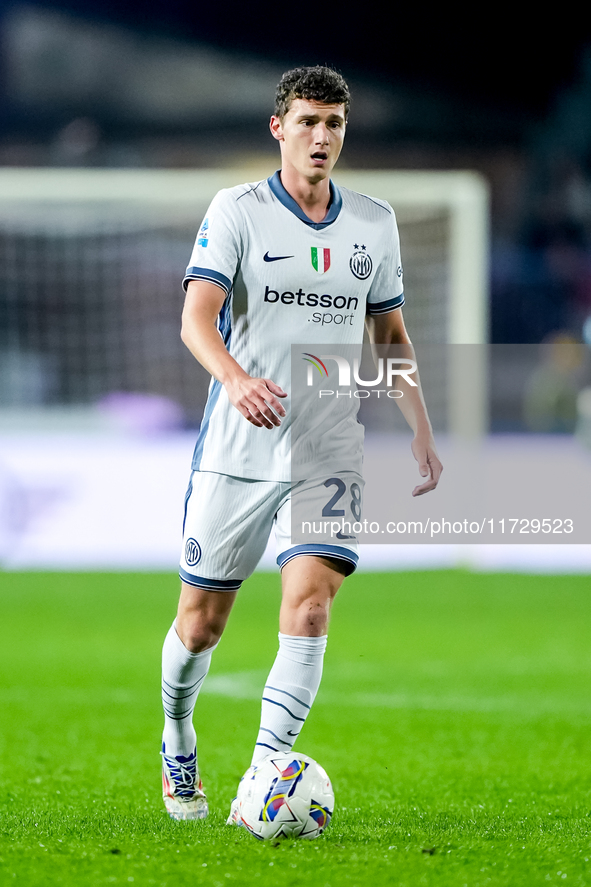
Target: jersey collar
pixel 334 207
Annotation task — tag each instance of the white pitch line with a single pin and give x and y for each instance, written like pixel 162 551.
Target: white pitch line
pixel 249 685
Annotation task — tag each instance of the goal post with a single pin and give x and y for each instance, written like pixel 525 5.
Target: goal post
pixel 447 214
pixel 463 197
pixel 91 262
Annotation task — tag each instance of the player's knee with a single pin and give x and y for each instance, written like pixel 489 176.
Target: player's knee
pixel 198 634
pixel 315 616
pixel 308 617
pixel 201 617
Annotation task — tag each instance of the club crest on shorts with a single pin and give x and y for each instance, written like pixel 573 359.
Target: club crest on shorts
pixel 320 259
pixel 192 552
pixel 360 263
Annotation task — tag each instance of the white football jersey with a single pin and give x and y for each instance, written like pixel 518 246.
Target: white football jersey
pixel 288 281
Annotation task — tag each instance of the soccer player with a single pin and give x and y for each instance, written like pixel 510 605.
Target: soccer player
pixel 263 254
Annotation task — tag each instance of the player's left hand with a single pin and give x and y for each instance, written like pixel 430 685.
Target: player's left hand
pixel 423 449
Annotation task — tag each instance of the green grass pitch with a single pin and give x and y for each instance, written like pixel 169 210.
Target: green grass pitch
pixel 454 720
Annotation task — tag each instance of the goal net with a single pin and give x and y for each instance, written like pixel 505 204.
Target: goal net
pixel 91 263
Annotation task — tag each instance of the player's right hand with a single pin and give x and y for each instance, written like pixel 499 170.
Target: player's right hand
pixel 257 400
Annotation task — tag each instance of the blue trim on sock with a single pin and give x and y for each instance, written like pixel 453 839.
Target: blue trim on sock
pixel 290 713
pixel 277 690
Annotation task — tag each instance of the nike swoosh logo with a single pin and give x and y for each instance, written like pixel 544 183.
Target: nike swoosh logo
pixel 289 733
pixel 268 258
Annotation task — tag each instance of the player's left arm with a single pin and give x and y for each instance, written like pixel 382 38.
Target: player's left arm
pixel 389 329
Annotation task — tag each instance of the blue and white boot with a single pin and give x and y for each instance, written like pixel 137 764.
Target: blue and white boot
pixel 182 789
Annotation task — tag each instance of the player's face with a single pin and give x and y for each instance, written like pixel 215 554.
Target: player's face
pixel 311 136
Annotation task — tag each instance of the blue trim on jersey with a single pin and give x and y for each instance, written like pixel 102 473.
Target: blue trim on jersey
pixel 214 394
pixel 210 584
pixel 193 273
pixel 376 203
pixel 251 190
pixel 225 328
pixel 225 321
pixel 387 306
pixel 337 552
pixel 334 207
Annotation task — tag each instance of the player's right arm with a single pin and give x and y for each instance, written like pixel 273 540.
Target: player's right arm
pixel 256 399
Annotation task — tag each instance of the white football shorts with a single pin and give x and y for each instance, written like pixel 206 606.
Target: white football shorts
pixel 228 521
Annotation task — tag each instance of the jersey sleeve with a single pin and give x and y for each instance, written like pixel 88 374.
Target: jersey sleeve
pixel 387 291
pixel 218 246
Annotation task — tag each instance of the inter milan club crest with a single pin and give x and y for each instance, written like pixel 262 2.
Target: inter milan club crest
pixel 192 552
pixel 320 259
pixel 360 262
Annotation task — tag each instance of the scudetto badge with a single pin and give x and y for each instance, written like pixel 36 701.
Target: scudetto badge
pixel 320 259
pixel 360 263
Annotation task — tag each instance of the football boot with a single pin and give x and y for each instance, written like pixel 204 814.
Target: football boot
pixel 182 789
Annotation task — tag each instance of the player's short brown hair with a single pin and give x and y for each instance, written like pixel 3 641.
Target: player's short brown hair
pixel 316 84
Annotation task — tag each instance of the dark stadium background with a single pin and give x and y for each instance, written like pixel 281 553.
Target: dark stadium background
pixel 500 92
pixel 90 299
pixel 455 727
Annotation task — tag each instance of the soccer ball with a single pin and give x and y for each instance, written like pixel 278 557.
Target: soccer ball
pixel 286 795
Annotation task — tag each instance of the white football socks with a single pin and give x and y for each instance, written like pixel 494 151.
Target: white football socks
pixel 289 693
pixel 182 676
